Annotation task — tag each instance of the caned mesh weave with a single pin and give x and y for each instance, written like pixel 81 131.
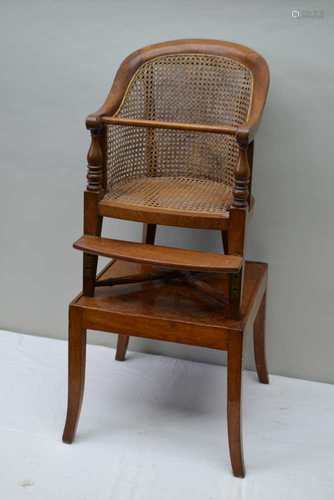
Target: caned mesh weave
pixel 177 169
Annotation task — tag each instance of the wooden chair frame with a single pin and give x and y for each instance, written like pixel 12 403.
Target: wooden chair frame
pixel 232 228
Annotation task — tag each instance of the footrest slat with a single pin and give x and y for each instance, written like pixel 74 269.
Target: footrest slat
pixel 178 258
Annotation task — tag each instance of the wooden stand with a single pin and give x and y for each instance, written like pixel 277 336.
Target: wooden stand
pixel 173 311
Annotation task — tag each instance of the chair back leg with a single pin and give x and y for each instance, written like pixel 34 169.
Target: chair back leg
pixel 149 233
pixel 259 343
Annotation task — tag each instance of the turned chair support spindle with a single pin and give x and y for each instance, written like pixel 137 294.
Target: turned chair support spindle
pixel 238 216
pixel 92 196
pixel 95 161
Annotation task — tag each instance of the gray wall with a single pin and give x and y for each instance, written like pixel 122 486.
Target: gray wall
pixel 58 61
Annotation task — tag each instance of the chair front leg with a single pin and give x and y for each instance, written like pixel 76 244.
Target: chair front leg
pixel 237 225
pixel 236 246
pixel 234 378
pixel 89 273
pixel 92 226
pixel 76 372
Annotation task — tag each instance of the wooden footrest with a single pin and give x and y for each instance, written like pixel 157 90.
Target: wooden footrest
pixel 177 258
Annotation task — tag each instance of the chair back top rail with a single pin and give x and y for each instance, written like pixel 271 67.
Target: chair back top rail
pixel 244 55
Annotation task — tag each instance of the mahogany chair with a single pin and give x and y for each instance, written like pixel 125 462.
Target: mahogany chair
pixel 173 145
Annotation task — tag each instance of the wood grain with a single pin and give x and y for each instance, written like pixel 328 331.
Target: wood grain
pixel 76 372
pixel 195 127
pixel 149 233
pixel 178 258
pixel 259 343
pixel 250 58
pixel 234 379
pixel 177 310
pixel 172 312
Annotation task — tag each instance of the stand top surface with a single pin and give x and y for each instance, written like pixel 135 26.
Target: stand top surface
pixel 175 300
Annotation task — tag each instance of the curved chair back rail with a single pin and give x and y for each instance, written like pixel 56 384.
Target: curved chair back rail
pixel 232 51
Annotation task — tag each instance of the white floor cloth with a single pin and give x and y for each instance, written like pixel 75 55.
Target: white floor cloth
pixel 155 428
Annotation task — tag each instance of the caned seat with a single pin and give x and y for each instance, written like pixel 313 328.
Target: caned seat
pixel 173 194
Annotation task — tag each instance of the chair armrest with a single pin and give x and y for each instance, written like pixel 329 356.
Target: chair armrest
pixel 247 130
pixel 93 120
pixel 244 133
pixel 196 127
pixel 109 107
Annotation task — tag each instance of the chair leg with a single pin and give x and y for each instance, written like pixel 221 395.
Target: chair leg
pixel 234 376
pixel 259 343
pixel 89 274
pixel 122 345
pixel 93 226
pixel 149 233
pixel 76 372
pixel 225 241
